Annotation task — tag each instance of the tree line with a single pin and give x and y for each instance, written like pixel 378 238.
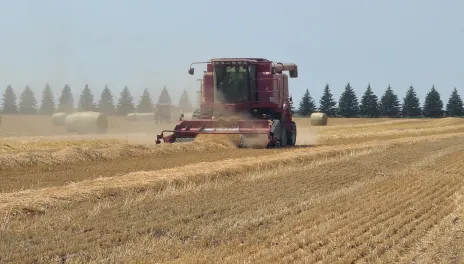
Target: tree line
pixel 387 106
pixel 348 105
pixel 27 104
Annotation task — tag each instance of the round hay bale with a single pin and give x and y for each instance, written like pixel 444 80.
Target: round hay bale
pixel 58 118
pixel 86 123
pixel 319 119
pixel 141 117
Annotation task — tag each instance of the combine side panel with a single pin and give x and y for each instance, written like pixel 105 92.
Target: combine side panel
pixel 208 88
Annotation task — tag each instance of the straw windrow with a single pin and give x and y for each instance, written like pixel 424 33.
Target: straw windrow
pixel 41 199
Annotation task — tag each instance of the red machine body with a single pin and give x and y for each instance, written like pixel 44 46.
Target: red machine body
pixel 255 89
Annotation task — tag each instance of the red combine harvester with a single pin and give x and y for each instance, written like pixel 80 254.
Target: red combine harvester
pixel 253 90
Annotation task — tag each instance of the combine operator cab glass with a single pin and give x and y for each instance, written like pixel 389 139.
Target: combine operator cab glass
pixel 233 83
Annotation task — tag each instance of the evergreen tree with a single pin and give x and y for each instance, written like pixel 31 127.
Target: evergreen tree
pixel 389 104
pixel 307 105
pixel 9 101
pixel 125 102
pixel 164 97
pixel 146 103
pixel 184 102
pixel 27 102
pixel 66 100
pixel 327 104
pixel 48 101
pixel 86 100
pixel 292 105
pixel 369 103
pixel 455 106
pixel 106 102
pixel 292 108
pixel 411 106
pixel 348 103
pixel 433 105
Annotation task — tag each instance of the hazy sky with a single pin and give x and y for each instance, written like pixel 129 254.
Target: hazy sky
pixel 151 43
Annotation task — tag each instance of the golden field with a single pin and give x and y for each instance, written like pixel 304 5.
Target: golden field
pixel 355 191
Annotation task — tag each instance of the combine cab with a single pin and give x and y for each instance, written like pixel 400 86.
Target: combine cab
pixel 245 96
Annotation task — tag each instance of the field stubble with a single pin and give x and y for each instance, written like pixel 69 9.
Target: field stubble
pixel 357 195
pixel 303 214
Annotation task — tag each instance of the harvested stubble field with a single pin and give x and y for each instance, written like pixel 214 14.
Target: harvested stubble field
pixel 357 190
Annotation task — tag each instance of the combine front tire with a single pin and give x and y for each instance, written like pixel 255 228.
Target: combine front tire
pixel 278 130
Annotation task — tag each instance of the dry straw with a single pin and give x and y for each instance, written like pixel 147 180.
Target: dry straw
pixel 22 152
pixel 41 199
pixel 227 121
pixel 388 132
pixel 319 119
pixel 66 152
pixel 27 145
pixel 230 141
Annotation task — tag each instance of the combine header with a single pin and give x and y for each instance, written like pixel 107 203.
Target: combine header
pixel 245 96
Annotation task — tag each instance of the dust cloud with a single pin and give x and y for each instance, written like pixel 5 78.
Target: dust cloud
pixel 143 133
pixel 307 136
pixel 259 141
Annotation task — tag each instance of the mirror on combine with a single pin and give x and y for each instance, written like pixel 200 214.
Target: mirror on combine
pixel 191 71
